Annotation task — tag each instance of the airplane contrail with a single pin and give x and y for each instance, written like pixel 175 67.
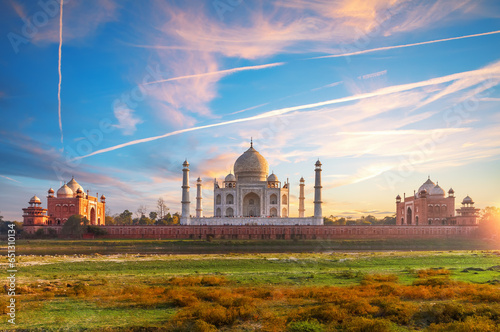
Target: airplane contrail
pixel 269 114
pixel 219 72
pixel 406 45
pixel 59 68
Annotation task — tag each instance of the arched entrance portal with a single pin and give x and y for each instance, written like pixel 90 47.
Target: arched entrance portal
pixel 409 217
pixel 274 212
pixel 251 205
pixel 92 216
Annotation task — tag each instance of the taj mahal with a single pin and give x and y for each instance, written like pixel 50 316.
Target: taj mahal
pixel 251 196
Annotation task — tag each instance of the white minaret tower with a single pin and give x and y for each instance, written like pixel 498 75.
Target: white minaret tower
pixel 318 213
pixel 185 218
pixel 301 199
pixel 199 209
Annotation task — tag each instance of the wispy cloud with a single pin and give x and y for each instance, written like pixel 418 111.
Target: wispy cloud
pixel 11 179
pixel 381 92
pixel 59 69
pixel 378 49
pixel 126 120
pixel 218 72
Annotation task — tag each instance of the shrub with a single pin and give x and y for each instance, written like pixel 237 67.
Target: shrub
pixel 378 278
pixel 96 230
pixel 442 313
pixel 434 282
pixel 363 324
pixel 432 272
pixel 395 310
pixel 305 326
pixel 82 290
pixel 326 313
pixel 471 324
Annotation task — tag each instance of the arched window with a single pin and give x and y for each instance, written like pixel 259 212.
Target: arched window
pixel 274 212
pixel 274 199
pixel 217 200
pixel 283 213
pixel 436 208
pixel 284 199
pixel 229 199
pixel 430 221
pixel 229 212
pixel 443 208
pixel 218 213
pixel 416 220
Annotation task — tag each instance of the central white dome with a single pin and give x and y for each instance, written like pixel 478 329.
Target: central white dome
pixel 64 192
pixel 251 167
pixel 74 186
pixel 428 186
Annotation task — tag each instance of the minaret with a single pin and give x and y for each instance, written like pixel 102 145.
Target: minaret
pixel 185 219
pixel 318 213
pixel 301 199
pixel 199 209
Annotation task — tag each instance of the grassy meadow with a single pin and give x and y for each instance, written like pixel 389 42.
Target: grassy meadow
pixel 452 290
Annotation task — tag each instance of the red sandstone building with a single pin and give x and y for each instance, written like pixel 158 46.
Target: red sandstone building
pixel 70 200
pixel 430 206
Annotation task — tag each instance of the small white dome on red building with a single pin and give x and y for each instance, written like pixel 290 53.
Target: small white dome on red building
pixel 437 191
pixel 64 192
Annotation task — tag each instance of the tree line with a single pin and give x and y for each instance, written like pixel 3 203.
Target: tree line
pixel 160 216
pixel 362 221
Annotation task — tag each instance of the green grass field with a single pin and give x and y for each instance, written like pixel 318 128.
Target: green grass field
pixel 252 291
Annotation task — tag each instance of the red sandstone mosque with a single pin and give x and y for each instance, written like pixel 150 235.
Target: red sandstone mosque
pixel 71 199
pixel 429 206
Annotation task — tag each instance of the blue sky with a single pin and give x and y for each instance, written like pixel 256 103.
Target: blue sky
pixel 385 93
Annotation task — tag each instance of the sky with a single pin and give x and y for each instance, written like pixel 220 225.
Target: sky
pixel 119 93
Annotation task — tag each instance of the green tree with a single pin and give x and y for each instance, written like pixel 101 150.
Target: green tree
pixel 143 220
pixel 153 216
pixel 176 218
pixel 124 218
pixel 75 226
pixel 110 220
pixel 489 221
pixel 4 226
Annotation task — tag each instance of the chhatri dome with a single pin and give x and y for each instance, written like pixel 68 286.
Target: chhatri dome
pixel 251 166
pixel 230 178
